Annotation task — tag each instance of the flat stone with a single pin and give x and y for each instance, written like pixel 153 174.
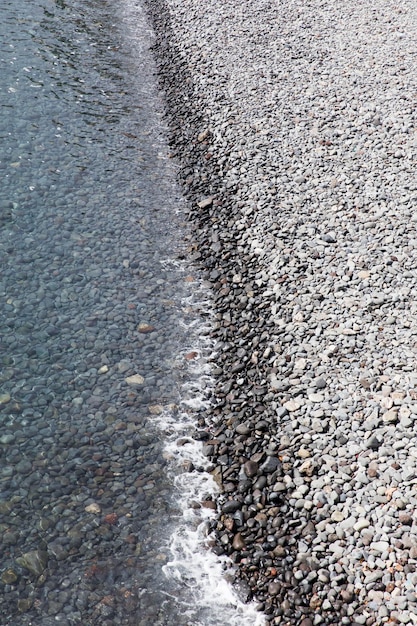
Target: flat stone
pixel 337 550
pixel 250 468
pixel 203 135
pixel 379 546
pixel 145 328
pixel 405 518
pixel 274 588
pixel 271 464
pixel 205 202
pixel 292 405
pixel 347 596
pixel 156 409
pixel 338 516
pixel 398 396
pixel 238 542
pixel 231 506
pixel 242 429
pixel 361 524
pixel 300 364
pixel 135 379
pixel 387 402
pixel 9 577
pixel 316 397
pixel 93 508
pixel 390 417
pixel 280 486
pixel 373 443
pixel 307 467
pixel 24 604
pixel 7 438
pixel 23 467
pixel 4 398
pixel 35 561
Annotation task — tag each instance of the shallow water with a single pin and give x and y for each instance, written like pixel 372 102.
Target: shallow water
pixel 85 202
pixel 93 292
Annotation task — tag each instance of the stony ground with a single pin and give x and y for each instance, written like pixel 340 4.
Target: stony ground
pixel 295 125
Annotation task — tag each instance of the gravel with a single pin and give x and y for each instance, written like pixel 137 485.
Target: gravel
pixel 295 127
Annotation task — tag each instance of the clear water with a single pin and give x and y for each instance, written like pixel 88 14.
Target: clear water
pixel 93 291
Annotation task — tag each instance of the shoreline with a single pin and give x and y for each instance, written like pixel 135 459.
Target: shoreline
pixel 295 135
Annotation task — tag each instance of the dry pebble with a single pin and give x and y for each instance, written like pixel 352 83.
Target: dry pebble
pixel 295 126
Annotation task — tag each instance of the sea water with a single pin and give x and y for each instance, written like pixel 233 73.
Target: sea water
pixel 99 313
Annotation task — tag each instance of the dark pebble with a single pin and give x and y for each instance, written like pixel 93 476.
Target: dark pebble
pixel 231 506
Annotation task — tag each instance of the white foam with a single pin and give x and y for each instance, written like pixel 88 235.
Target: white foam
pixel 212 601
pixel 192 563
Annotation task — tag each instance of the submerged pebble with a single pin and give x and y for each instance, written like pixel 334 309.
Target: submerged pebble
pixel 93 321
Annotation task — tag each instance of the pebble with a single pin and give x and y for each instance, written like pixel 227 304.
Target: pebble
pixel 93 508
pixel 35 561
pixel 4 398
pixel 250 468
pixel 390 417
pixel 238 542
pixel 304 185
pixel 231 506
pixel 7 438
pixel 135 379
pixel 9 577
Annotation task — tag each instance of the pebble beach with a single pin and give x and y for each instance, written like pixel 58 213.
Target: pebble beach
pixel 294 127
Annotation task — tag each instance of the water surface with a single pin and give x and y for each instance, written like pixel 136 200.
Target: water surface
pixel 91 295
